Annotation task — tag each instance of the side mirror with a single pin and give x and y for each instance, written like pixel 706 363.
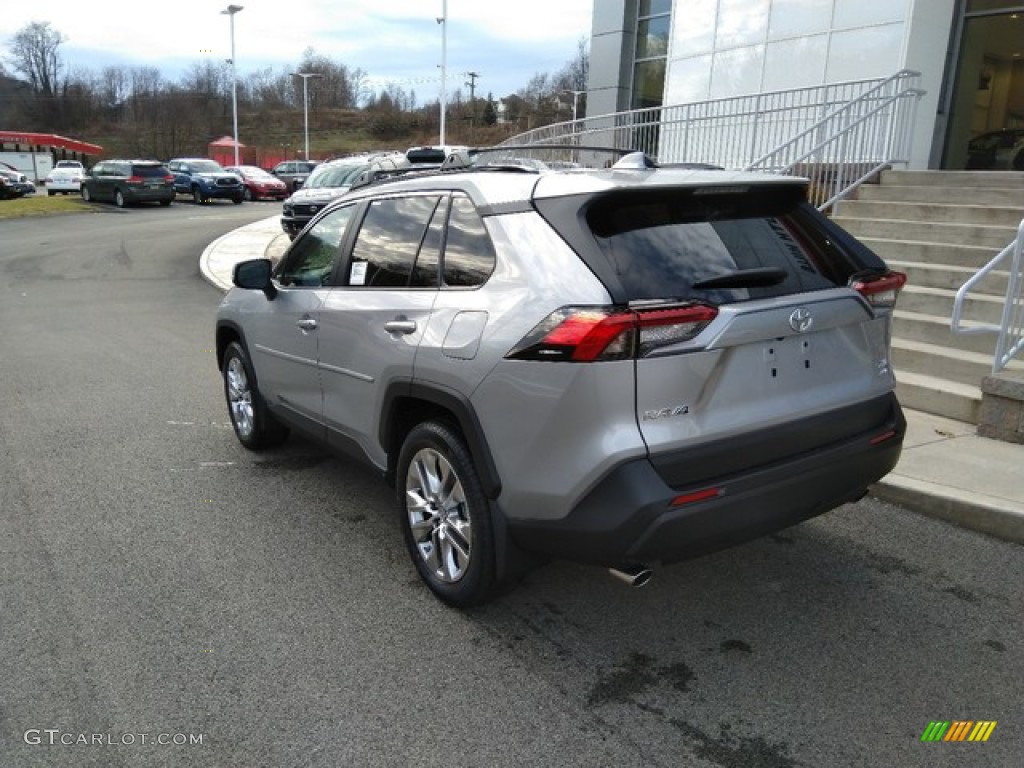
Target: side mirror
pixel 254 275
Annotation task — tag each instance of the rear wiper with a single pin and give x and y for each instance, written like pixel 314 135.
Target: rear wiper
pixel 758 277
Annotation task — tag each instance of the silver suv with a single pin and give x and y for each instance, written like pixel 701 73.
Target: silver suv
pixel 622 367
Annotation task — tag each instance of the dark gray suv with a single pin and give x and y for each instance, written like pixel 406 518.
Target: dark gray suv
pixel 622 367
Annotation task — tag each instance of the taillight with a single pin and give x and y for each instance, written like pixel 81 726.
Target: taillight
pixel 589 334
pixel 134 180
pixel 880 291
pixel 169 178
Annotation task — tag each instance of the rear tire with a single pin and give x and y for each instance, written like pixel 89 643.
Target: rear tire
pixel 50 193
pixel 445 516
pixel 119 198
pixel 86 196
pixel 248 196
pixel 254 427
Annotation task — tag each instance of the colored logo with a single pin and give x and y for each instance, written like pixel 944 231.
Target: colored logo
pixel 958 730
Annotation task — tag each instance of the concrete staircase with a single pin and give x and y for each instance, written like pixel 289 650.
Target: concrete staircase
pixel 940 227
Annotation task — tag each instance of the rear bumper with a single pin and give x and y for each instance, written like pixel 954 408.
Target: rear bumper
pixel 630 516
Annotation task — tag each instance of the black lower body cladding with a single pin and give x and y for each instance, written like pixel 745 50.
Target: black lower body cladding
pixel 772 481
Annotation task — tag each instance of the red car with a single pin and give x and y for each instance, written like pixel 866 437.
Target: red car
pixel 259 184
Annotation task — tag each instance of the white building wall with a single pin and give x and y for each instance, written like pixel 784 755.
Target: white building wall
pixel 726 48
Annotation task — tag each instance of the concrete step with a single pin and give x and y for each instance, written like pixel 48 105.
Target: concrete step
pixel 994 237
pixel 971 256
pixel 1009 198
pixel 979 308
pixel 933 329
pixel 938 396
pixel 950 277
pixel 960 213
pixel 942 362
pixel 985 179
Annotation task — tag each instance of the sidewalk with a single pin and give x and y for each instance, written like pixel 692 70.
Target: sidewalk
pixel 946 470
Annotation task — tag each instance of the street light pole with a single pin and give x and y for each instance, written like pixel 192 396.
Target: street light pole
pixel 575 97
pixel 231 10
pixel 305 102
pixel 443 21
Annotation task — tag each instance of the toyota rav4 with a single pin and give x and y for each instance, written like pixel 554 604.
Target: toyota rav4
pixel 623 367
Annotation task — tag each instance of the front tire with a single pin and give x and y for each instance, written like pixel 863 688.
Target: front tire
pixel 248 196
pixel 197 196
pixel 445 516
pixel 254 427
pixel 86 196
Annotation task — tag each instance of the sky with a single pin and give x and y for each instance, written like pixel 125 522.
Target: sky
pixel 394 41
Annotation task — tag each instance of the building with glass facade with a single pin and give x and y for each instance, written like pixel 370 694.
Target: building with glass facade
pixel 970 53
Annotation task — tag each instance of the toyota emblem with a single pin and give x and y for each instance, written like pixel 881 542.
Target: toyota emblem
pixel 801 320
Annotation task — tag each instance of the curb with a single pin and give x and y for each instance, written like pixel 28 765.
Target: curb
pixel 971 510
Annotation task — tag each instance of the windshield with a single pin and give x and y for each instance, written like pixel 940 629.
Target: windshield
pixel 327 176
pixel 205 166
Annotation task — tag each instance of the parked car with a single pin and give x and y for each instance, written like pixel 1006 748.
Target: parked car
pixel 70 164
pixel 205 180
pixel 21 185
pixel 7 190
pixel 294 172
pixel 620 367
pixel 65 179
pixel 329 181
pixel 259 184
pixel 997 151
pixel 128 182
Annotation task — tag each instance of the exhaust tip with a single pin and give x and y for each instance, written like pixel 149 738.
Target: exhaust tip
pixel 635 576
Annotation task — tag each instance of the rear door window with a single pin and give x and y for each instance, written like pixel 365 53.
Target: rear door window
pixel 392 233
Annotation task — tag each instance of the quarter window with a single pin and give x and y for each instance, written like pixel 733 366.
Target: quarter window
pixel 468 251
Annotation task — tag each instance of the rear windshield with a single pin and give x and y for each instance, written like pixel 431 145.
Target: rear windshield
pixel 149 171
pixel 676 244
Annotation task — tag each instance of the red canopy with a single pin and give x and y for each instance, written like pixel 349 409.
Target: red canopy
pixel 50 140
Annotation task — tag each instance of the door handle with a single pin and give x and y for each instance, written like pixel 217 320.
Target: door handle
pixel 308 324
pixel 400 326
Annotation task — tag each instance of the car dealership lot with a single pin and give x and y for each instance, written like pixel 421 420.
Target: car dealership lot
pixel 156 578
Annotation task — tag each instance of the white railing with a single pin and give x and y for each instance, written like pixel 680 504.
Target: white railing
pixel 1010 340
pixel 833 134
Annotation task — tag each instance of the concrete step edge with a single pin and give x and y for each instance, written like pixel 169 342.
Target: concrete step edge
pixel 992 515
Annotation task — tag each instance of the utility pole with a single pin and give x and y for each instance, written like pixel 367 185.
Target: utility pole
pixel 472 102
pixel 443 21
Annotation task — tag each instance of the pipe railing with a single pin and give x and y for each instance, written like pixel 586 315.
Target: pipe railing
pixel 839 134
pixel 1010 331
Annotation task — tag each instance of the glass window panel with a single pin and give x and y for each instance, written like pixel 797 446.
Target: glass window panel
pixel 790 18
pixel 652 38
pixel 742 22
pixel 694 32
pixel 468 252
pixel 737 72
pixel 796 63
pixel 310 261
pixel 690 80
pixel 860 13
pixel 863 53
pixel 654 7
pixel 389 240
pixel 648 83
pixel 976 6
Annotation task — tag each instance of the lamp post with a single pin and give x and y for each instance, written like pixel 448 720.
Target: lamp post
pixel 443 21
pixel 231 10
pixel 575 97
pixel 305 102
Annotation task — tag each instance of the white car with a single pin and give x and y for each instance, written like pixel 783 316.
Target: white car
pixel 64 179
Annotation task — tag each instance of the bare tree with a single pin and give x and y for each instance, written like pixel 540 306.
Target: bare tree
pixel 35 53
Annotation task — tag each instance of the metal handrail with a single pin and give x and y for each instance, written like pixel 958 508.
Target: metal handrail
pixel 839 135
pixel 1010 342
